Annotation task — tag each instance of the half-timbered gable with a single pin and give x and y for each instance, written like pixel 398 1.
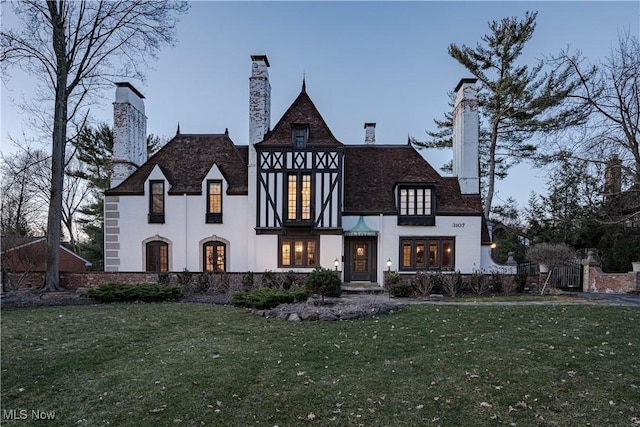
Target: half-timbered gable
pixel 300 166
pixel 294 197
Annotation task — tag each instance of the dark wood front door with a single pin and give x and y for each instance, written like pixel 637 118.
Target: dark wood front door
pixel 361 260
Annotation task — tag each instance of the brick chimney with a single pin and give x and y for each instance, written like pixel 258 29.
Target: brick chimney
pixel 466 129
pixel 259 99
pixel 369 133
pixel 613 178
pixel 129 132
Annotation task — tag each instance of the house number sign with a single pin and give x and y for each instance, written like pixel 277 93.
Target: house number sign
pixel 458 225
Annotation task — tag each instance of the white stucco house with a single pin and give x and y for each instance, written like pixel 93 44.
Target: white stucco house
pixel 293 198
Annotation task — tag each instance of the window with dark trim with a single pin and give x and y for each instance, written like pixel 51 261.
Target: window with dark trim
pixel 214 202
pixel 214 256
pixel 416 205
pixel 299 201
pixel 298 251
pixel 299 135
pixel 427 253
pixel 156 202
pixel 157 253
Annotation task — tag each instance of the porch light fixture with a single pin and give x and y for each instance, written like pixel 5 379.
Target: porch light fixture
pixel 389 264
pixel 336 263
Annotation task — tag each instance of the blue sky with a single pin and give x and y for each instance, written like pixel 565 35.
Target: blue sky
pixel 382 62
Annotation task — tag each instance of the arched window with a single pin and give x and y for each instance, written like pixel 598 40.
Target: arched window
pixel 214 256
pixel 157 256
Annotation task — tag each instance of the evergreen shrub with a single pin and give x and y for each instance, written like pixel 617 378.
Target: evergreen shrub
pixel 120 292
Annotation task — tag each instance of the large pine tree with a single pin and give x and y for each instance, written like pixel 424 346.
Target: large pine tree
pixel 515 101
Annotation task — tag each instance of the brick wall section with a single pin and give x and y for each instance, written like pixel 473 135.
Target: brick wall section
pixel 596 280
pixel 74 281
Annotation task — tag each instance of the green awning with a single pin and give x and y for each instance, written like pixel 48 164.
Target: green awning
pixel 360 230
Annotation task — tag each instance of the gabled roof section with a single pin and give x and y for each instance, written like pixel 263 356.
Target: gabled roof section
pixel 372 172
pixel 186 159
pixel 302 111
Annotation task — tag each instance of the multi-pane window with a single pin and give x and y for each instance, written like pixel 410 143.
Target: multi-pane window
pixel 214 201
pixel 299 198
pixel 415 206
pixel 157 253
pixel 298 252
pixel 430 253
pixel 156 202
pixel 214 256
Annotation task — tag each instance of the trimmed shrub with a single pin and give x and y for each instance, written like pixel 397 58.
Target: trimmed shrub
pixel 324 282
pixel 478 283
pixel 423 283
pixel 269 279
pixel 400 290
pixel 265 298
pixel 248 280
pixel 452 283
pixel 114 292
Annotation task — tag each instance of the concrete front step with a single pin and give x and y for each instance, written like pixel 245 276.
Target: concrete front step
pixel 362 288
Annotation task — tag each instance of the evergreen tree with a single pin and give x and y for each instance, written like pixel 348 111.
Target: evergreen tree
pixel 95 150
pixel 515 101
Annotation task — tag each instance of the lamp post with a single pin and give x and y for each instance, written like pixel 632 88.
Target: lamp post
pixel 336 263
pixel 389 265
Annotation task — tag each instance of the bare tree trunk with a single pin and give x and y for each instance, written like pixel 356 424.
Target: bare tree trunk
pixel 54 220
pixel 491 176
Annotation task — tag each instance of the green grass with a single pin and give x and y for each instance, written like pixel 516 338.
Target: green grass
pixel 187 364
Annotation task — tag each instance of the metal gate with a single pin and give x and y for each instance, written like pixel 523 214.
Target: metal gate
pixel 568 276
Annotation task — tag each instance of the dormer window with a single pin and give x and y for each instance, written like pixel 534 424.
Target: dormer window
pixel 299 135
pixel 416 205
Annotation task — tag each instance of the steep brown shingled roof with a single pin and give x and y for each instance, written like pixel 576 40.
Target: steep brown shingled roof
pixel 185 161
pixel 371 173
pixel 301 111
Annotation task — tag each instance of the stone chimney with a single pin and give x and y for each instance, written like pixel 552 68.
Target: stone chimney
pixel 259 99
pixel 613 178
pixel 129 132
pixel 466 129
pixel 369 133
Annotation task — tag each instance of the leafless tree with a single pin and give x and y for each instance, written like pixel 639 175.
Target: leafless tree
pixel 614 127
pixel 22 205
pixel 74 49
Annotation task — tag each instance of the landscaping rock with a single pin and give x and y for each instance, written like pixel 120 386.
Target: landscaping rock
pixel 293 317
pixel 345 308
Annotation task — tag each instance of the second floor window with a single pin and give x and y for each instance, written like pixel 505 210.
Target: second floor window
pixel 214 201
pixel 299 135
pixel 415 206
pixel 299 197
pixel 156 202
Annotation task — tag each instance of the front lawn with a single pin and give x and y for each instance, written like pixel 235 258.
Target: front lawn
pixel 189 364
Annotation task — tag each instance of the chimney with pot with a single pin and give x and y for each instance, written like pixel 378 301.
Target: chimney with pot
pixel 466 129
pixel 129 132
pixel 259 99
pixel 369 133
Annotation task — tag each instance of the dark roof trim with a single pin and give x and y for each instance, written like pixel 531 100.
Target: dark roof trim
pixel 463 81
pixel 260 58
pixel 130 86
